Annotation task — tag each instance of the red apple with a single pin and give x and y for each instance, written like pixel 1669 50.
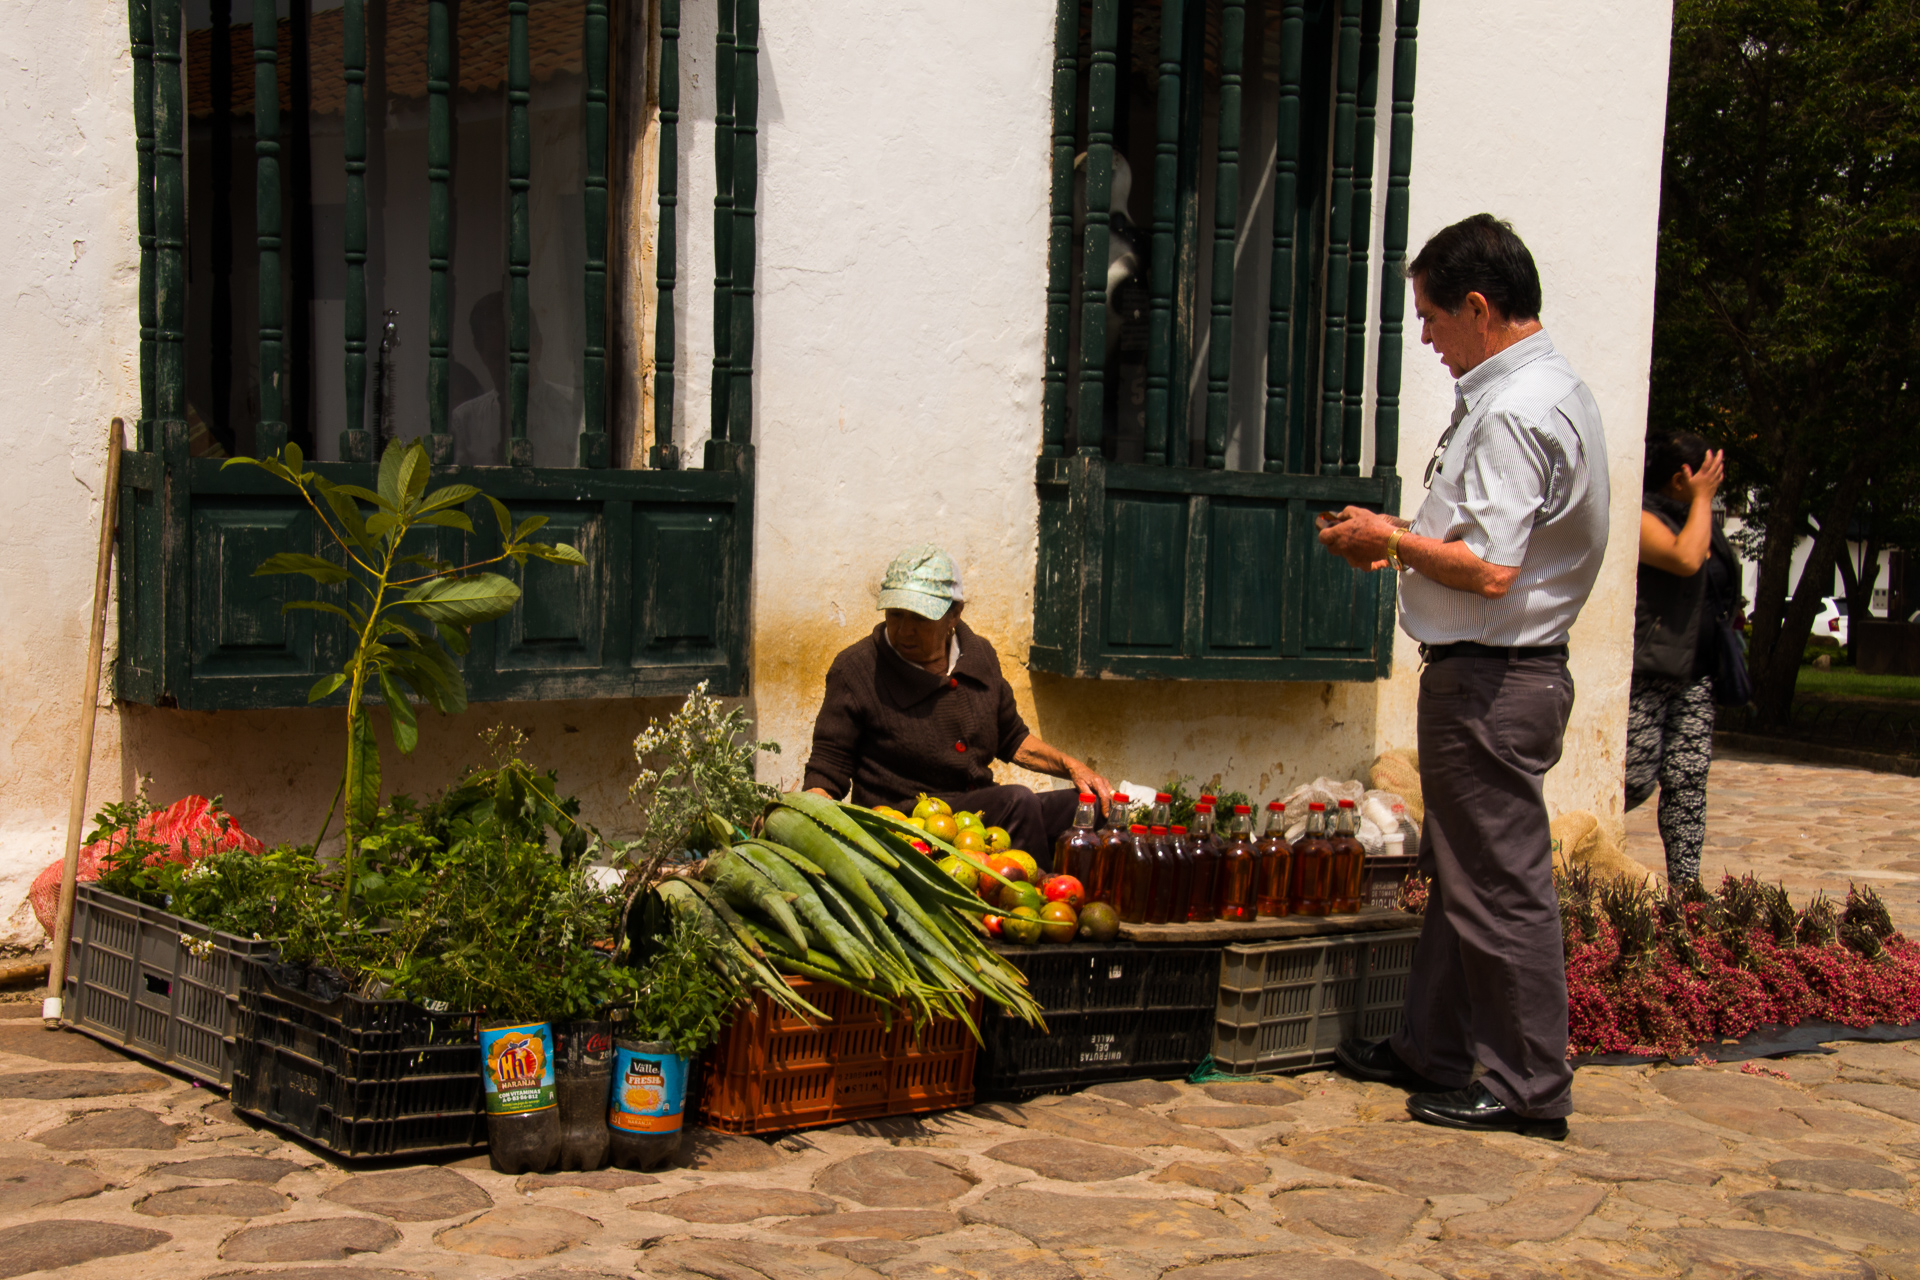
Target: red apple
pixel 1067 889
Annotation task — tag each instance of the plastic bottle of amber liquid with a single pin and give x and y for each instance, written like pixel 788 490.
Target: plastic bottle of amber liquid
pixel 1313 866
pixel 1181 843
pixel 1135 875
pixel 1203 851
pixel 1275 889
pixel 1239 861
pixel 1115 839
pixel 1162 897
pixel 1077 852
pixel 1349 860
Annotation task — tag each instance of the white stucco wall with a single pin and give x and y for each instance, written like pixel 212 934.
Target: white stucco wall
pixel 901 289
pixel 68 338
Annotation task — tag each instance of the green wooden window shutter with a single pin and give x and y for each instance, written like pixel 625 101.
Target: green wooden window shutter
pixel 662 602
pixel 1158 560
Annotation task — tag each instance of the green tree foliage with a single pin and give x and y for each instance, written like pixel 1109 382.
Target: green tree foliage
pixel 1789 280
pixel 409 612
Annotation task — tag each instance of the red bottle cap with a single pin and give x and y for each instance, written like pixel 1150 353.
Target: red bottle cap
pixel 1346 804
pixel 1316 807
pixel 1276 806
pixel 1086 797
pixel 1207 798
pixel 1159 830
pixel 1161 797
pixel 1179 830
pixel 1123 797
pixel 1204 808
pixel 1137 829
pixel 1243 808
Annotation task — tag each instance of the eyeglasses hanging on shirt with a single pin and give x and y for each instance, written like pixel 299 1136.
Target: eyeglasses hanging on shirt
pixel 1446 438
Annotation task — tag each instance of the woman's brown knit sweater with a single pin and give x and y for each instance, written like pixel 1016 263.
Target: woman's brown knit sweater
pixel 891 729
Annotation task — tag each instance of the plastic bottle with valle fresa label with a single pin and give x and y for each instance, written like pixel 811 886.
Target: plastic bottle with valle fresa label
pixel 523 1112
pixel 646 1112
pixel 1203 850
pixel 1349 861
pixel 1275 890
pixel 1313 866
pixel 1077 852
pixel 1239 863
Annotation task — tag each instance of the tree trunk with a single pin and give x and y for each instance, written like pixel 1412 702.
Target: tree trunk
pixel 1858 585
pixel 1773 683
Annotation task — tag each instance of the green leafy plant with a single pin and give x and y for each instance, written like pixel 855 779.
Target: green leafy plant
pixel 696 784
pixel 409 612
pixel 679 995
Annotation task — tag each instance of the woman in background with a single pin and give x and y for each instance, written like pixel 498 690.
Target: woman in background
pixel 1689 579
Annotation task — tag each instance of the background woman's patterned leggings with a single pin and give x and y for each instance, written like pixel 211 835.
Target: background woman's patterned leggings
pixel 1670 743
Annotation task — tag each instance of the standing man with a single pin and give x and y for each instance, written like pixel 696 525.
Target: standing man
pixel 1493 571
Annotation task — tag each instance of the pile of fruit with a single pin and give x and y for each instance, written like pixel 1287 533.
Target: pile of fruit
pixel 1031 907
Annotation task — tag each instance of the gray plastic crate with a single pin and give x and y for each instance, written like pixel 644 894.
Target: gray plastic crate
pixel 134 983
pixel 1285 1005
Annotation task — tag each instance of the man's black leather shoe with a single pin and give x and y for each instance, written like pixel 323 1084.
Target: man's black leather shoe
pixel 1375 1060
pixel 1474 1108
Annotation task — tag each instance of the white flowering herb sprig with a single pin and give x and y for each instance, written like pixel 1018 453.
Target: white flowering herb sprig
pixel 696 778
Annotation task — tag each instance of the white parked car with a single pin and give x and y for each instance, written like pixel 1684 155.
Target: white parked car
pixel 1832 619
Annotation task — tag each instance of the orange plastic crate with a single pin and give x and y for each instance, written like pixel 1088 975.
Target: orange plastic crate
pixel 772 1071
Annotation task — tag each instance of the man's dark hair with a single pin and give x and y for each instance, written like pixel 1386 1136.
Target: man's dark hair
pixel 1666 454
pixel 1479 255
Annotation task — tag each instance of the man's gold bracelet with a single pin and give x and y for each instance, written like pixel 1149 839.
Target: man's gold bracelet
pixel 1393 550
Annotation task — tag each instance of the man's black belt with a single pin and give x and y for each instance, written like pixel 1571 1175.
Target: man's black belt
pixel 1468 649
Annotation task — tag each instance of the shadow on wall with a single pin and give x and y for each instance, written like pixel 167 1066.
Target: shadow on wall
pixel 1264 738
pixel 278 770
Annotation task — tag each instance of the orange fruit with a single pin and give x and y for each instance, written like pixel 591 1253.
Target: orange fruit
pixel 941 826
pixel 1058 923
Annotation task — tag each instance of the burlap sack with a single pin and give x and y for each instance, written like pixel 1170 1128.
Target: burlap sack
pixel 1398 771
pixel 1586 840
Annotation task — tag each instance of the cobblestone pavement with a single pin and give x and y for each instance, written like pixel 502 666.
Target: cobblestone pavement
pixel 1802 1170
pixel 1810 827
pixel 1801 1167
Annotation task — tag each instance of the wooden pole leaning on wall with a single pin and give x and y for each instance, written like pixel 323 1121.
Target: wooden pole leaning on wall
pixel 50 1006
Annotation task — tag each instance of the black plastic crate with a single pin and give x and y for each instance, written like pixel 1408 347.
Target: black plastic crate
pixel 155 984
pixel 357 1077
pixel 1114 1012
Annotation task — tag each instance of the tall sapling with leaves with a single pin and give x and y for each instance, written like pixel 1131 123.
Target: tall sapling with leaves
pixel 410 612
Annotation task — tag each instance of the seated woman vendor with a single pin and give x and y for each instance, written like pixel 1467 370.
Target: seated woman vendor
pixel 920 706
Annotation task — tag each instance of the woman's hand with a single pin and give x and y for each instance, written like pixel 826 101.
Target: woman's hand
pixel 1705 482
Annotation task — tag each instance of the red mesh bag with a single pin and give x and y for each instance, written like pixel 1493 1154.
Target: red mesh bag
pixel 190 829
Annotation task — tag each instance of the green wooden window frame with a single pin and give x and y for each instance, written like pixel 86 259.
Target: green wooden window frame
pixel 662 601
pixel 1171 565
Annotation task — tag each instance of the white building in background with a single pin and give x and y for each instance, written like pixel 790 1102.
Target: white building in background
pixel 899 321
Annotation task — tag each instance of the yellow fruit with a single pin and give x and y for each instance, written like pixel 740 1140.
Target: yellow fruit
pixel 1025 859
pixel 893 813
pixel 997 838
pixel 1022 926
pixel 930 805
pixel 966 873
pixel 917 822
pixel 969 840
pixel 941 826
pixel 969 820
